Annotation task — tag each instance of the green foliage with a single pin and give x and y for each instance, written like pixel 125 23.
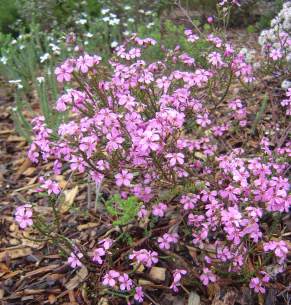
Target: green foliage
pixel 8 14
pixel 251 29
pixel 46 89
pixel 168 36
pixel 124 210
pixel 265 20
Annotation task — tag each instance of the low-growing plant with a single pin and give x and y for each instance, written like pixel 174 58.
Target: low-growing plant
pixel 175 135
pixel 124 210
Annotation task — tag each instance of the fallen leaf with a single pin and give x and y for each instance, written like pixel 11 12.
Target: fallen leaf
pixel 69 199
pixel 77 279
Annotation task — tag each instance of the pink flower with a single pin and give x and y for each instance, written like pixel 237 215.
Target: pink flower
pixel 125 282
pixel 51 186
pixel 189 201
pixel 23 216
pixel 149 141
pixel 138 296
pixel 276 54
pixel 84 63
pixel 177 275
pixel 235 2
pixel 123 178
pixel 74 260
pixel 235 104
pixel 175 158
pixel 210 19
pixel 64 73
pixel 106 243
pixel 279 247
pixel 215 59
pixel 110 278
pixel 98 253
pixel 203 120
pixel 142 212
pixel 159 209
pixel 167 239
pixel 256 284
pixel 145 257
pixel 207 276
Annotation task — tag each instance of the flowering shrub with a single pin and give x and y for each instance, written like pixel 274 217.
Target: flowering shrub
pixel 163 135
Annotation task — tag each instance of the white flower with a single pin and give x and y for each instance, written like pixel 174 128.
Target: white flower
pixel 4 60
pixel 14 41
pixel 150 25
pixel 114 44
pixel 131 20
pixel 16 82
pixel 104 11
pixel 40 79
pixel 286 84
pixel 89 35
pixel 81 21
pixel 106 19
pixel 127 7
pixel 55 48
pixel 114 21
pixel 44 57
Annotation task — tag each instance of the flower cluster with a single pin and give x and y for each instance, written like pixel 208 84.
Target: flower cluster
pixel 276 41
pixel 115 279
pixel 162 132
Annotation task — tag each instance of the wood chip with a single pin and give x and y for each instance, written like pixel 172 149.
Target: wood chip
pixel 25 165
pixel 52 299
pixel 41 270
pixel 77 279
pixel 194 299
pixel 15 253
pixel 143 282
pixel 88 225
pixel 1 294
pixel 158 274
